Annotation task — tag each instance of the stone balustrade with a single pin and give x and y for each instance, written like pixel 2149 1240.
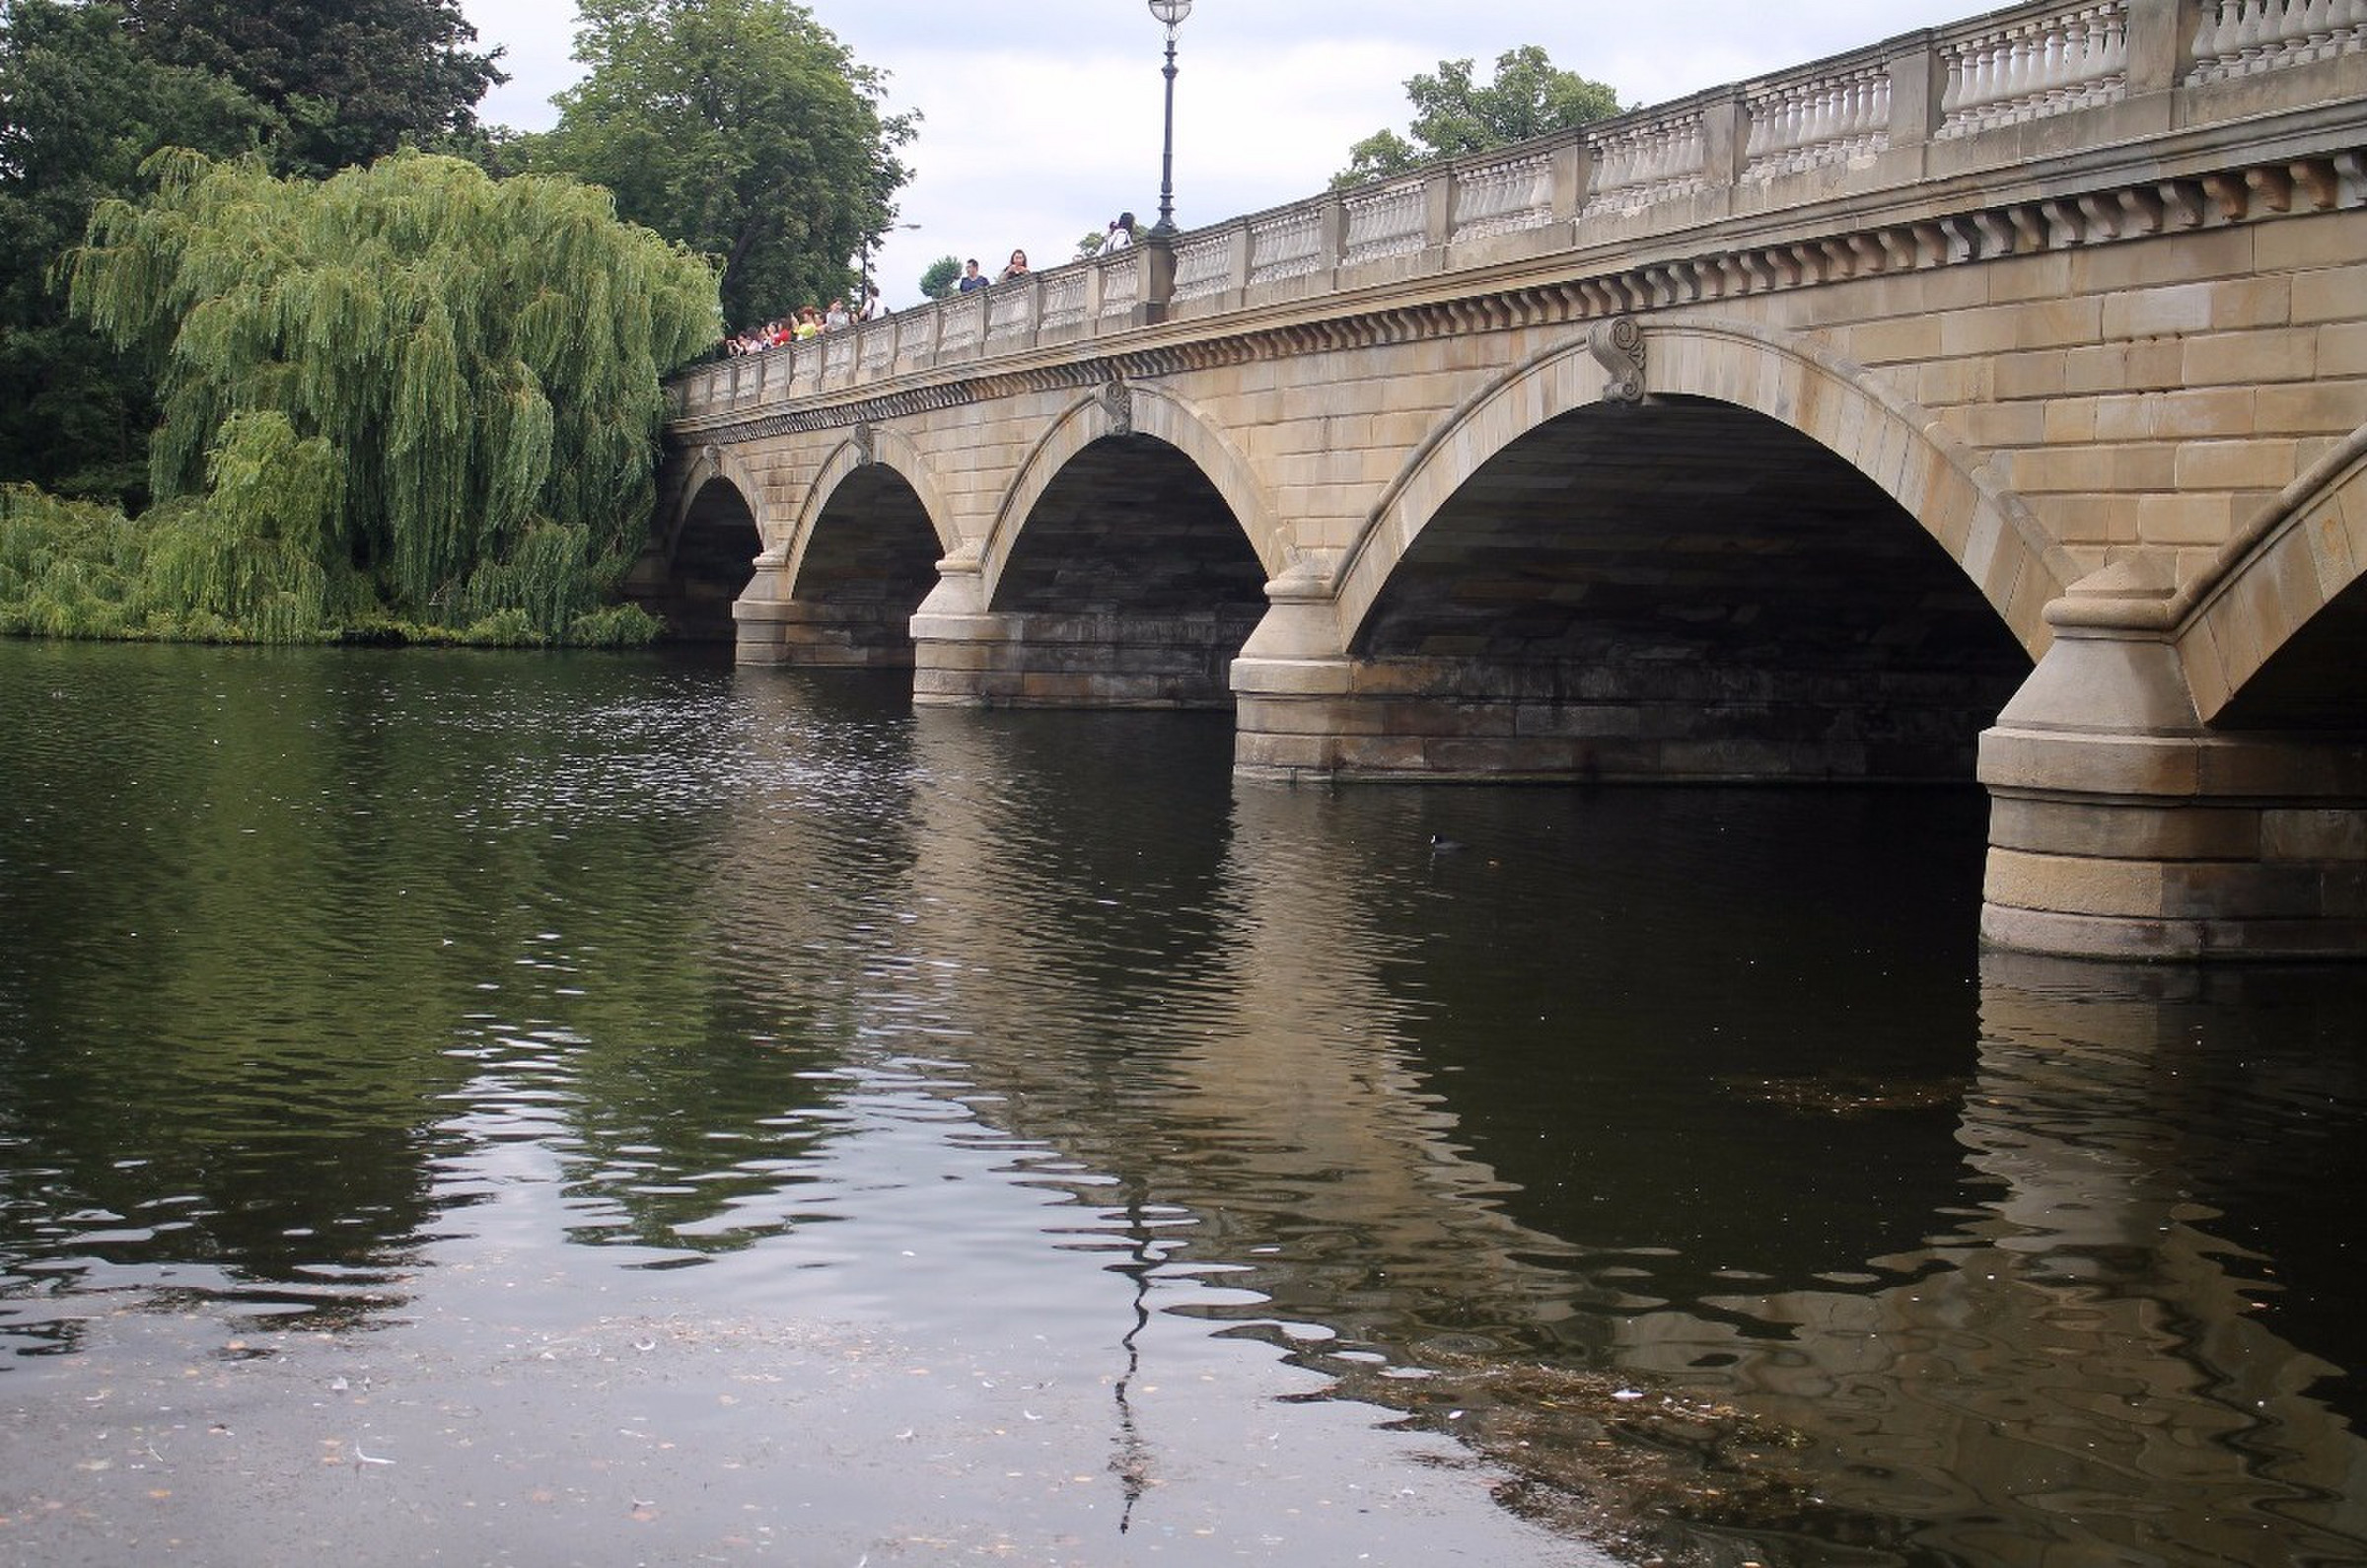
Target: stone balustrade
pixel 2242 37
pixel 1941 102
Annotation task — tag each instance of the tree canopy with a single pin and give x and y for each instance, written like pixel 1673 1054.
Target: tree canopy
pixel 409 390
pixel 79 108
pixel 352 79
pixel 1454 114
pixel 741 128
pixel 88 91
pixel 940 277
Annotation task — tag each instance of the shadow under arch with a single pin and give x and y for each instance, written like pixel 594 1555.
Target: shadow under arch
pixel 2276 633
pixel 852 459
pixel 1122 409
pixel 1899 445
pixel 862 554
pixel 705 552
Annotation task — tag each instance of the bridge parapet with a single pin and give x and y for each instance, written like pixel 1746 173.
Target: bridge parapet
pixel 2050 79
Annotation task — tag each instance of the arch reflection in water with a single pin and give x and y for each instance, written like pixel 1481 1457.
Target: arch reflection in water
pixel 1667 1150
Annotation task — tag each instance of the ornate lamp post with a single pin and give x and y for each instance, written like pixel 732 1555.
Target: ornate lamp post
pixel 1171 13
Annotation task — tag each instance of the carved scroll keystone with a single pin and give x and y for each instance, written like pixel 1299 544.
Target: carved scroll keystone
pixel 867 444
pixel 1119 404
pixel 1619 344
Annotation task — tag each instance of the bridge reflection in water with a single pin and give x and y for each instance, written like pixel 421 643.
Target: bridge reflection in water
pixel 1671 1151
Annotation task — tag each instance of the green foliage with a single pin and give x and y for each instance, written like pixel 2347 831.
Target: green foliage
pixel 1454 114
pixel 80 109
pixel 255 555
pixel 66 568
pixel 409 393
pixel 938 281
pixel 350 80
pixel 1091 244
pixel 741 128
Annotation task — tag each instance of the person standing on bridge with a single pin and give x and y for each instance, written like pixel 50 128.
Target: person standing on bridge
pixel 971 277
pixel 1016 269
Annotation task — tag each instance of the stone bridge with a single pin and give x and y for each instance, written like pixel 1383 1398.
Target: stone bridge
pixel 1988 402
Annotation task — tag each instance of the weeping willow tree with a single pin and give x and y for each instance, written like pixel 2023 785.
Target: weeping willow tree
pixel 409 392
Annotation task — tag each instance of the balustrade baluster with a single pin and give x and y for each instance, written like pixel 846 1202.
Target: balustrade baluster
pixel 2213 41
pixel 2252 31
pixel 2053 65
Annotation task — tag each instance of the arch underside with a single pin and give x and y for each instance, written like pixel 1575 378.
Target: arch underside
pixel 1129 583
pixel 2316 680
pixel 711 563
pixel 1686 589
pixel 868 559
pixel 2282 645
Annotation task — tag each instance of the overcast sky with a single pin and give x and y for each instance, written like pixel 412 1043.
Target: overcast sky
pixel 1041 119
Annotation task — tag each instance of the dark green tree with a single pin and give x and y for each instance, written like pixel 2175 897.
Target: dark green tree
pixel 353 79
pixel 1455 115
pixel 741 128
pixel 939 280
pixel 79 108
pixel 409 389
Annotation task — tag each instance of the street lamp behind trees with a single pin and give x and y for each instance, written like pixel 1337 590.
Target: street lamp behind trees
pixel 1171 13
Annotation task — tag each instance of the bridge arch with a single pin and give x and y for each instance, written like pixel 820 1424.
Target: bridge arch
pixel 1898 445
pixel 841 586
pixel 872 448
pixel 2277 637
pixel 704 551
pixel 714 464
pixel 1131 409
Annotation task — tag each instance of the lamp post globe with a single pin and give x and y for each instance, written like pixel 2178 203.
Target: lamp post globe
pixel 1170 13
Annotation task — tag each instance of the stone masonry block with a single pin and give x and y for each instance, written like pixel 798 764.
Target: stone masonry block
pixel 2088 936
pixel 2343 350
pixel 2067 421
pixel 2292 566
pixel 2235 464
pixel 2076 885
pixel 2169 259
pixel 2247 358
pixel 2017 328
pixel 2153 365
pixel 2322 408
pixel 2330 294
pixel 2241 304
pixel 2090 520
pixel 2113 767
pixel 2315 835
pixel 2205 664
pixel 2047 277
pixel 2124 831
pixel 2178 520
pixel 2289 773
pixel 2330 548
pixel 1907 340
pixel 1951 381
pixel 2126 467
pixel 2045 372
pixel 2158 311
pixel 2322 240
pixel 2254 891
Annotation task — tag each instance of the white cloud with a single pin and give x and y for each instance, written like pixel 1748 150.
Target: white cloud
pixel 1042 121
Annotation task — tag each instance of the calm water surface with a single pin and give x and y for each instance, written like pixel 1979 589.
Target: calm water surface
pixel 490 1108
